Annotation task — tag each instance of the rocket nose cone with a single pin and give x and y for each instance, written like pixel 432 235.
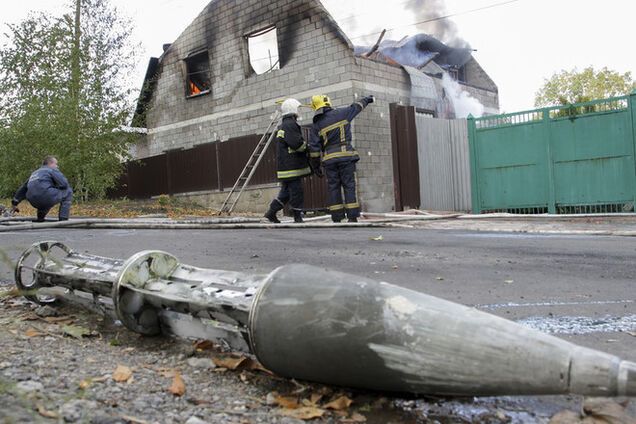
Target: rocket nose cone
pixel 627 379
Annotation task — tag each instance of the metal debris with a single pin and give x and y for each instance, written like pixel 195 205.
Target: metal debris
pixel 308 323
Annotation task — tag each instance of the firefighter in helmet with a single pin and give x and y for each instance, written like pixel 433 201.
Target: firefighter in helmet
pixel 293 163
pixel 331 139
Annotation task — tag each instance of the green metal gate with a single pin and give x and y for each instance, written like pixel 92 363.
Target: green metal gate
pixel 568 159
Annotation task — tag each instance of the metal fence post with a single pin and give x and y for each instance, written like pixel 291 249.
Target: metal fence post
pixel 632 107
pixel 474 165
pixel 547 136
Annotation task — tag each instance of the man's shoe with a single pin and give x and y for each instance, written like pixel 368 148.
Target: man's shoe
pixel 63 219
pixel 298 217
pixel 271 217
pixel 353 219
pixel 41 217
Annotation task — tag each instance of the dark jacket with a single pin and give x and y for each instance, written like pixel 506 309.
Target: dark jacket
pixel 45 186
pixel 331 133
pixel 291 150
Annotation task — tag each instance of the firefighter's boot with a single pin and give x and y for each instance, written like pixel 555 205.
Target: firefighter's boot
pixel 298 217
pixel 271 216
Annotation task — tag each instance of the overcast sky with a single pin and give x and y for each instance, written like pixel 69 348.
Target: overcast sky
pixel 518 44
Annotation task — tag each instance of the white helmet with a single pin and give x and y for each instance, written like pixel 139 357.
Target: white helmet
pixel 290 107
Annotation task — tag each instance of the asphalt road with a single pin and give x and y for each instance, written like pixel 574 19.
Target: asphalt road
pixel 570 284
pixel 580 288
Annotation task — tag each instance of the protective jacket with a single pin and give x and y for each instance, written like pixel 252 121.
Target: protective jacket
pixel 331 133
pixel 46 186
pixel 291 150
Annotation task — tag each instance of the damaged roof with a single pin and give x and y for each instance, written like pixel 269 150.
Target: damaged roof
pixel 417 51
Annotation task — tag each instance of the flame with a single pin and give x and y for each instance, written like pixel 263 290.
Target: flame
pixel 194 89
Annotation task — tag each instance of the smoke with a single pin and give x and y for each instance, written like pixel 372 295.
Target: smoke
pixel 463 103
pixel 444 29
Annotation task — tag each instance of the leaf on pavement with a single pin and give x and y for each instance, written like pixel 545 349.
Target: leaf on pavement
pixel 287 402
pixel 122 374
pixel 595 411
pixel 85 384
pixel 339 404
pixel 229 362
pixel 133 420
pixel 76 331
pixel 45 412
pixel 304 413
pixel 31 332
pixel 355 418
pixel 59 320
pixel 178 387
pixel 378 238
pixel 201 345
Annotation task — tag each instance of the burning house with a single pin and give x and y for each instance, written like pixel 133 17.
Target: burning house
pixel 209 97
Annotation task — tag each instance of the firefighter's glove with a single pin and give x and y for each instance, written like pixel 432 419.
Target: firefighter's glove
pixel 370 99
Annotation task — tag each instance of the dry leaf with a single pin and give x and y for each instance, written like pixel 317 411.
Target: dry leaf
pixel 46 413
pixel 339 404
pixel 287 402
pixel 59 320
pixel 607 411
pixel 253 365
pixel 229 362
pixel 378 238
pixel 133 420
pixel 76 331
pixel 85 384
pixel 14 332
pixel 305 413
pixel 632 333
pixel 315 398
pixel 31 332
pixel 355 418
pixel 201 345
pixel 122 374
pixel 509 281
pixel 178 387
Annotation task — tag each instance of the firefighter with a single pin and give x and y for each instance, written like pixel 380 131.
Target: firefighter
pixel 293 163
pixel 331 138
pixel 45 188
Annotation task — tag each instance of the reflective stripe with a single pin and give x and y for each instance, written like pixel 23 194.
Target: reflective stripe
pixel 352 205
pixel 314 155
pixel 301 149
pixel 293 173
pixel 338 125
pixel 281 134
pixel 361 105
pixel 336 207
pixel 339 155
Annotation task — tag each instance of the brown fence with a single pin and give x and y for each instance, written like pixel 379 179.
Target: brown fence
pixel 210 166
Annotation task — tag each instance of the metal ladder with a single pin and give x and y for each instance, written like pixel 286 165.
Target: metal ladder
pixel 248 172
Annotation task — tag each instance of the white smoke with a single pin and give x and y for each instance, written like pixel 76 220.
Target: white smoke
pixel 463 103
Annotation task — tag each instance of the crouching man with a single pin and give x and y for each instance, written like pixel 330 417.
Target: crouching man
pixel 293 163
pixel 46 188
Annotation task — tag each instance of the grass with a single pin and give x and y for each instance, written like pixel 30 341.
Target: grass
pixel 125 208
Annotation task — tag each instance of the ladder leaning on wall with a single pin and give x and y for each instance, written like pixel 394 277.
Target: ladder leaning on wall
pixel 250 168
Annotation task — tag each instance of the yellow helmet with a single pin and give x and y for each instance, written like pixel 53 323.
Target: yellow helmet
pixel 320 101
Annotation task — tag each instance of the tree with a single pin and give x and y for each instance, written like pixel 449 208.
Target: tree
pixel 567 87
pixel 65 90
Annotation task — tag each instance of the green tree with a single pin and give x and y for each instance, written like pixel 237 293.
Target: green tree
pixel 567 87
pixel 65 90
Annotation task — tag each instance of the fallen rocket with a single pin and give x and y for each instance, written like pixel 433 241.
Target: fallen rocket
pixel 312 324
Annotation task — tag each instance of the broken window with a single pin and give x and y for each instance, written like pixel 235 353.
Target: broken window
pixel 198 74
pixel 263 50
